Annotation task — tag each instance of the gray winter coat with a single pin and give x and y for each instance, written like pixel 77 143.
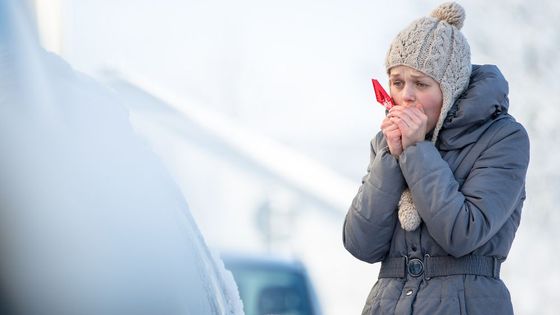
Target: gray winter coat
pixel 468 189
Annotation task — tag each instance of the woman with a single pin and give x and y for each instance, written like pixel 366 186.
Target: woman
pixel 442 197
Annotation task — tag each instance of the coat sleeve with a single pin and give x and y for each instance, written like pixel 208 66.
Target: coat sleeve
pixel 461 219
pixel 371 219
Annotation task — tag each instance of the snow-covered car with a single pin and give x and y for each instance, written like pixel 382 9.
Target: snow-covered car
pixel 272 285
pixel 91 222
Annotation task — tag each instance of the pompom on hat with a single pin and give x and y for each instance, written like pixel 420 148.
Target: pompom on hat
pixel 433 45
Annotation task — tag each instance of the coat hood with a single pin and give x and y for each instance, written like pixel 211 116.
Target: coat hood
pixel 485 100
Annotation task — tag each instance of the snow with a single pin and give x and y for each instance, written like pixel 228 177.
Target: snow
pixel 91 221
pixel 298 72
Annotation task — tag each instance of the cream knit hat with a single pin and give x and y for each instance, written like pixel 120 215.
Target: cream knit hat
pixel 435 46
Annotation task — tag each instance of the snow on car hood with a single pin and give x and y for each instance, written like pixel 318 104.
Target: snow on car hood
pixel 90 220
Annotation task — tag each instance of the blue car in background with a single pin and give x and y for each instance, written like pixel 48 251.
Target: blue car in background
pixel 270 285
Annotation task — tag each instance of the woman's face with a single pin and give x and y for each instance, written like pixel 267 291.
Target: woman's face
pixel 409 87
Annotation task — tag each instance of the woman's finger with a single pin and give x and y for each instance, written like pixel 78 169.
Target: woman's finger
pixel 412 117
pixel 386 123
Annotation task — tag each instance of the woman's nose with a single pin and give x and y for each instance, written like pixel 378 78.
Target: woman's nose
pixel 409 96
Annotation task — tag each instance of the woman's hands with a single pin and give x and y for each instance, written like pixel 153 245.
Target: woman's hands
pixel 393 135
pixel 404 126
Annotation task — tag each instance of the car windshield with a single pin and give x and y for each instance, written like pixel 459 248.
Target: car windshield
pixel 272 290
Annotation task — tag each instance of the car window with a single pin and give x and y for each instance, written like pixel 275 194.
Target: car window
pixel 272 290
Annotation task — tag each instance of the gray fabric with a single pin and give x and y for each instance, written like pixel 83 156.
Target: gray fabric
pixel 468 188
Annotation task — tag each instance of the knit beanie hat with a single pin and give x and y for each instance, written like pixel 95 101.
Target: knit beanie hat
pixel 434 46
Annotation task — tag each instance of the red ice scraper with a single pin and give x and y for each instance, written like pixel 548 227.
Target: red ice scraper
pixel 382 97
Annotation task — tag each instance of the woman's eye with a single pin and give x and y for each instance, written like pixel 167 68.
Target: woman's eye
pixel 421 84
pixel 397 83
